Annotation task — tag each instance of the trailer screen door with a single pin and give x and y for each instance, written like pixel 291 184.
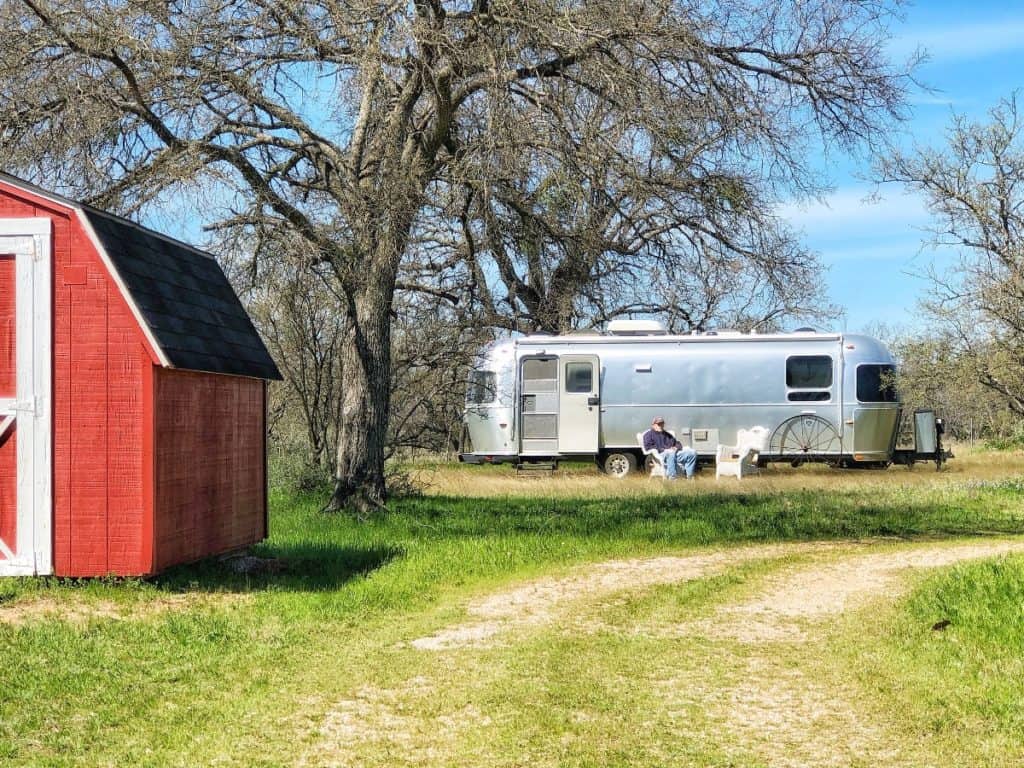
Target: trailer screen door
pixel 540 406
pixel 579 403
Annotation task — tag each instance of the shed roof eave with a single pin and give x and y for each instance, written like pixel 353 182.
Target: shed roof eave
pixel 154 346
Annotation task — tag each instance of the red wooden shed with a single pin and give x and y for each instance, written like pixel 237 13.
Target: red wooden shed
pixel 132 396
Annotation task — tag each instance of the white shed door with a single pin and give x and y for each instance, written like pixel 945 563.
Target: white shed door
pixel 579 403
pixel 26 457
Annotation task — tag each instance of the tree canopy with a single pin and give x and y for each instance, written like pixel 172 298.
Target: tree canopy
pixel 974 187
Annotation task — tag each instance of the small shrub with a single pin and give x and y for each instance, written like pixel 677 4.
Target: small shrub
pixel 1014 442
pixel 292 471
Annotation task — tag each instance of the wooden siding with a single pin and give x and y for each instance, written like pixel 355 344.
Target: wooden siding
pixel 8 442
pixel 8 330
pixel 99 357
pixel 210 470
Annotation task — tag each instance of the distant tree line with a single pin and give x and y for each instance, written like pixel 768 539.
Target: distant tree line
pixel 933 376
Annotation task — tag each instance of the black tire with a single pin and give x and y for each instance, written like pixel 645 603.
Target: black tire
pixel 619 464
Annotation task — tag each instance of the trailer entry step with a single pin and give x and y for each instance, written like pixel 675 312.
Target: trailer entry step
pixel 536 467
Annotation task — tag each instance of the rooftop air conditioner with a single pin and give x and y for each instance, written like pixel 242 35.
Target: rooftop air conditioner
pixel 636 328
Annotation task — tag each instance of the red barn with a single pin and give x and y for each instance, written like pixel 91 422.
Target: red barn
pixel 132 396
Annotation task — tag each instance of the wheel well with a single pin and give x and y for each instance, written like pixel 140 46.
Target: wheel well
pixel 635 452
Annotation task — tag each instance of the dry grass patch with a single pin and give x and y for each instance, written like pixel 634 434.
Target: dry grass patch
pixel 581 481
pixel 81 611
pixel 790 717
pixel 395 726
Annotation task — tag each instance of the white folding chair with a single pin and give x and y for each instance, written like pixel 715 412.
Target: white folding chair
pixel 740 459
pixel 657 468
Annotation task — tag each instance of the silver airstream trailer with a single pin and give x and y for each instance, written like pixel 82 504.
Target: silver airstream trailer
pixel 821 396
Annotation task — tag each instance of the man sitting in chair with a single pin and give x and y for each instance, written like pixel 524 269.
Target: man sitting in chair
pixel 673 454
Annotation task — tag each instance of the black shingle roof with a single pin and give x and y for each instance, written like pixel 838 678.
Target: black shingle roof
pixel 185 299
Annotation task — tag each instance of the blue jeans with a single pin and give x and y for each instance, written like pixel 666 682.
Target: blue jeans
pixel 674 460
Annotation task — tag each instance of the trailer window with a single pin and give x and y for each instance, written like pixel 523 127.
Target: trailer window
pixel 876 383
pixel 810 397
pixel 809 372
pixel 541 373
pixel 482 387
pixel 579 377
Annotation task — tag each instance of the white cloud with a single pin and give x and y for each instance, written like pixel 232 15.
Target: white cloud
pixel 856 213
pixel 905 251
pixel 932 100
pixel 872 248
pixel 962 41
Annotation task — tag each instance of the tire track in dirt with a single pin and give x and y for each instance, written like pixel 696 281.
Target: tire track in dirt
pixel 802 595
pixel 768 706
pixel 543 601
pixel 389 722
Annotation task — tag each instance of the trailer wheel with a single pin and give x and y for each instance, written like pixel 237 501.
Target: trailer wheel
pixel 619 464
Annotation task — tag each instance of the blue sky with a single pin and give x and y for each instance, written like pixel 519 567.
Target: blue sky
pixel 873 249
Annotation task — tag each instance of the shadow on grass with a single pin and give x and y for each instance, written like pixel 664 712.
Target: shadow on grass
pixel 322 552
pixel 288 568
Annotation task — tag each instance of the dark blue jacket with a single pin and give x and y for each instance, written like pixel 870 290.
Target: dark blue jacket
pixel 660 441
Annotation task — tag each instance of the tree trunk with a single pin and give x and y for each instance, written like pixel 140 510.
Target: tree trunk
pixel 366 354
pixel 366 347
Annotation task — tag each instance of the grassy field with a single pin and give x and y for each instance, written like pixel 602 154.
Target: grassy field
pixel 383 644
pixel 961 686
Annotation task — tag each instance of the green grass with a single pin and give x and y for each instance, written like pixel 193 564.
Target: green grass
pixel 242 672
pixel 963 684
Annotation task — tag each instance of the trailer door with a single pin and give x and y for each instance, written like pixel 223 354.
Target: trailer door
pixel 579 403
pixel 25 423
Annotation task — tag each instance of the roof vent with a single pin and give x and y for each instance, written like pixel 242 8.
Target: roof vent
pixel 636 328
pixel 806 329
